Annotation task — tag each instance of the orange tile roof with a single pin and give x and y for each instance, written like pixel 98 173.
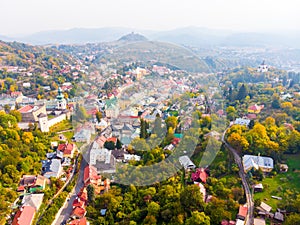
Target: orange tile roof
pixel 243 210
pixel 79 212
pixel 24 216
pixel 26 109
pixel 113 139
pixel 81 221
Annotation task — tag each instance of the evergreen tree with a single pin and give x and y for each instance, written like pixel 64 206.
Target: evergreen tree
pixel 251 124
pixel 242 93
pixel 90 193
pixel 119 144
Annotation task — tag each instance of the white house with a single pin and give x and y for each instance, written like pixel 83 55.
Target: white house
pixel 186 162
pixel 266 164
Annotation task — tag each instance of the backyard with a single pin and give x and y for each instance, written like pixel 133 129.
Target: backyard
pixel 279 184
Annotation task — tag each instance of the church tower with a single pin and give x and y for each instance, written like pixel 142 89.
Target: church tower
pixel 61 101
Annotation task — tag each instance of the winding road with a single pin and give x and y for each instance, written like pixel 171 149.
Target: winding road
pixel 250 204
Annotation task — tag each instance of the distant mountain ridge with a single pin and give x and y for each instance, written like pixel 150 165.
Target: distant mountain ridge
pixel 191 36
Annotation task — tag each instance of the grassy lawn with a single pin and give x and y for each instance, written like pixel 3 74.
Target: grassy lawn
pixel 64 125
pixel 282 182
pixel 69 135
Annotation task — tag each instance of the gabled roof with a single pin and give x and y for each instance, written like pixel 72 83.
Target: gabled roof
pixel 259 221
pixel 24 216
pixel 200 174
pixel 26 109
pixel 66 148
pixel 90 173
pixel 78 203
pixel 243 210
pixel 252 161
pixel 82 221
pixel 33 200
pixel 78 212
pixel 265 207
pixel 113 139
pixel 186 162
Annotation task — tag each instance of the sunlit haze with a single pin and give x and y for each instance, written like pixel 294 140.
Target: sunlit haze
pixel 28 16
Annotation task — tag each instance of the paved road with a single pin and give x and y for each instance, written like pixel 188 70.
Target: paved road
pixel 249 220
pixel 66 210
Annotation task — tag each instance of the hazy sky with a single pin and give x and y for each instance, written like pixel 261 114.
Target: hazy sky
pixel 27 16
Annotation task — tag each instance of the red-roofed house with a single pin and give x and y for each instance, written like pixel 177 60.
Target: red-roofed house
pixel 24 216
pixel 68 149
pixel 78 203
pixel 113 139
pixel 78 213
pixel 200 175
pixel 82 221
pixel 101 140
pixel 91 176
pixel 243 210
pixel 255 108
pixel 26 109
pixel 82 195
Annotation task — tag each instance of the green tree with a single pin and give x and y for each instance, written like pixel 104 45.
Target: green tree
pixel 118 144
pixel 171 121
pixel 153 209
pixel 231 113
pixel 242 93
pixel 91 193
pixel 110 145
pixel 191 199
pixel 16 114
pixel 293 219
pixel 198 218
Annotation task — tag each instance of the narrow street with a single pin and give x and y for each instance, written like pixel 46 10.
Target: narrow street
pixel 66 210
pixel 250 204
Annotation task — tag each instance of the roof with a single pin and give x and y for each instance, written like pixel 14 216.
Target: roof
pixel 53 168
pixel 33 200
pixel 200 174
pixel 66 148
pixel 186 162
pixel 259 221
pixel 82 221
pixel 26 109
pixel 113 139
pixel 239 222
pixel 40 180
pixel 279 216
pixel 78 203
pixel 258 186
pixel 243 210
pixel 27 180
pixel 252 161
pixel 90 173
pixel 24 216
pixel 79 212
pixel 265 207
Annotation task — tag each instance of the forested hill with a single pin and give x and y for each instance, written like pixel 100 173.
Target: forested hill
pixel 24 55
